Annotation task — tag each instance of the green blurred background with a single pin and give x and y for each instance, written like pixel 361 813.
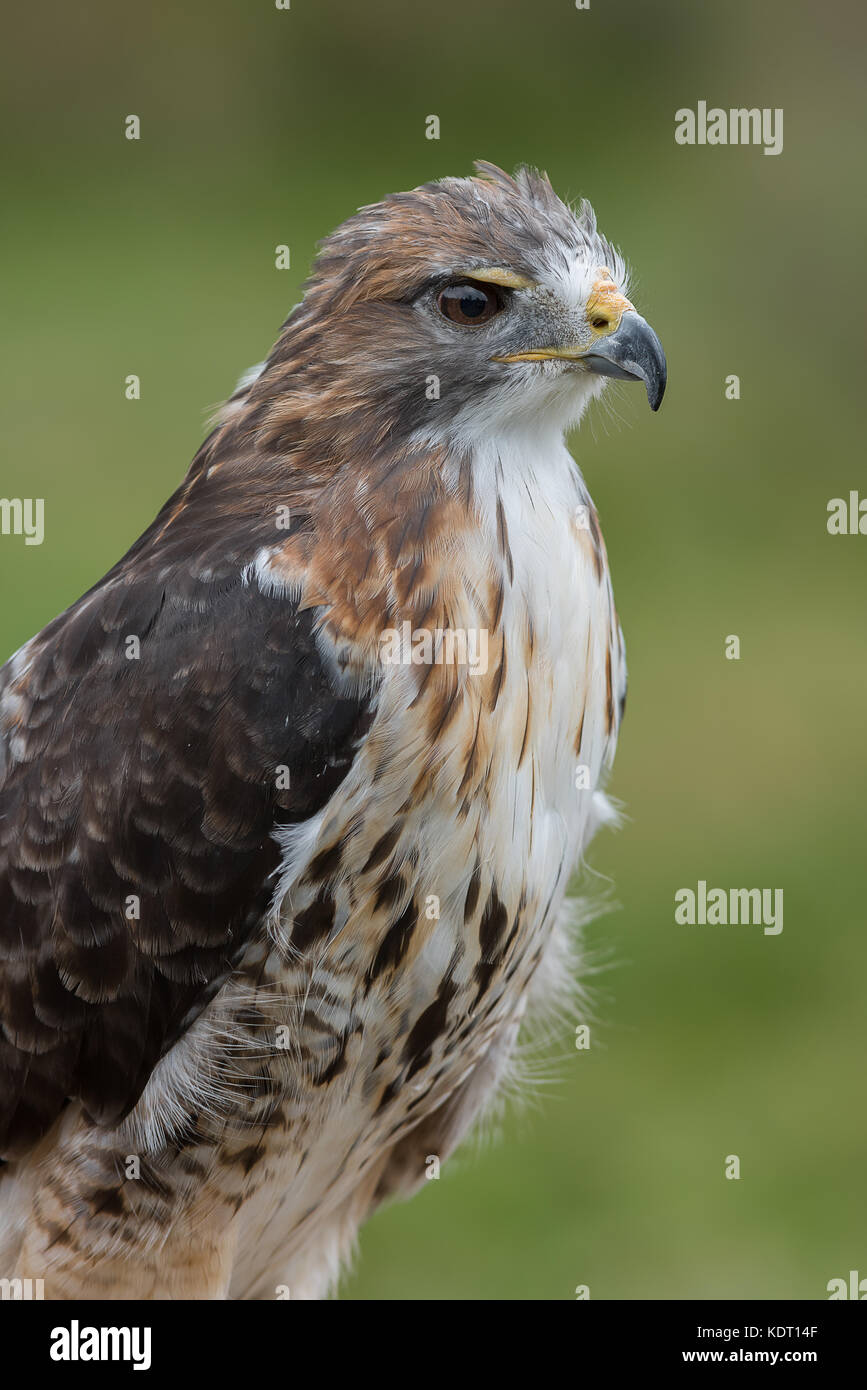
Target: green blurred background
pixel 262 127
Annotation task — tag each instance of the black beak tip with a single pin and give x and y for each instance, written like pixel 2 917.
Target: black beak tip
pixel 656 384
pixel 655 394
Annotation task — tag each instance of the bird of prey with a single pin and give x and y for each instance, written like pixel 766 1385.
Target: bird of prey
pixel 289 800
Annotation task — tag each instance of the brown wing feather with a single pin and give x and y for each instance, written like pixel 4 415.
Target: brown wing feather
pixel 145 786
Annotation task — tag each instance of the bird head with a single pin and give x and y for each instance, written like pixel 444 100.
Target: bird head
pixel 463 306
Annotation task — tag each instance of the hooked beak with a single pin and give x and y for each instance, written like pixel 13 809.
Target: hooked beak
pixel 631 353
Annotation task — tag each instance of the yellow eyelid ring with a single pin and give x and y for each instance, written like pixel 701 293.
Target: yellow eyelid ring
pixel 499 275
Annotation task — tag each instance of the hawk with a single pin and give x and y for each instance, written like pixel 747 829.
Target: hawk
pixel 290 799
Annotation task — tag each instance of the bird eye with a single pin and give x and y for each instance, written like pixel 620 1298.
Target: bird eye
pixel 469 304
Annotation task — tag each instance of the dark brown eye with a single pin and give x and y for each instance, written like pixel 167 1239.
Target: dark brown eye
pixel 469 304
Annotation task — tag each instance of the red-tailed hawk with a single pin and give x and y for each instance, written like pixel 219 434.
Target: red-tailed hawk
pixel 290 799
